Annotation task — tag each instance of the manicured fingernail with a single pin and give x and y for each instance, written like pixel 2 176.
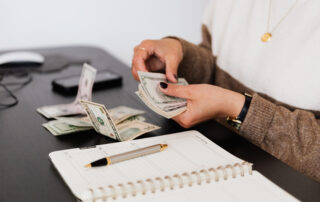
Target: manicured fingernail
pixel 163 85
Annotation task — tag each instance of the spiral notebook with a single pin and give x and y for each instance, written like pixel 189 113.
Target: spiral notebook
pixel 192 168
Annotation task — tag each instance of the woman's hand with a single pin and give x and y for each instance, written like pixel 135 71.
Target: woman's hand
pixel 158 55
pixel 204 102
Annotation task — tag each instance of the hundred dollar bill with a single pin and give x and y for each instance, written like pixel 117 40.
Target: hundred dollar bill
pixel 100 119
pixel 84 93
pixel 133 129
pixel 58 127
pixel 151 95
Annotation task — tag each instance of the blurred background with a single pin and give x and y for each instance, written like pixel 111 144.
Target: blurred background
pixel 114 25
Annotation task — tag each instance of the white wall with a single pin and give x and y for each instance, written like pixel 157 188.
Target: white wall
pixel 115 25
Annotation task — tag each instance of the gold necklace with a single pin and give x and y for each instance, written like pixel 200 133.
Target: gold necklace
pixel 267 36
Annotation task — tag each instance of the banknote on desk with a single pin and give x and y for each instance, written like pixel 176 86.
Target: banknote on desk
pixel 59 127
pixel 100 119
pixel 118 114
pixel 151 95
pixel 121 115
pixel 82 121
pixel 129 129
pixel 102 122
pixel 84 93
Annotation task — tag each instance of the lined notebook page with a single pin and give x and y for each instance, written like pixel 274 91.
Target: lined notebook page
pixel 186 152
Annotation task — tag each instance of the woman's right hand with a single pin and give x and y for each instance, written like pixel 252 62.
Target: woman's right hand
pixel 158 55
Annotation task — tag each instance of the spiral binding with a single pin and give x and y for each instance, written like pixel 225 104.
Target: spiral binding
pixel 171 182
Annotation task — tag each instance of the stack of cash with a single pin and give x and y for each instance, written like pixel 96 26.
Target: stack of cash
pixel 121 123
pixel 63 126
pixel 151 95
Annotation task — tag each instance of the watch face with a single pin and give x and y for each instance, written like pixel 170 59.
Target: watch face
pixel 234 123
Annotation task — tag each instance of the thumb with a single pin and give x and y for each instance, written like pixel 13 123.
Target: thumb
pixel 172 69
pixel 175 90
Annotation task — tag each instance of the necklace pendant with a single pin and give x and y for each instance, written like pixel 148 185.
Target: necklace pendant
pixel 266 37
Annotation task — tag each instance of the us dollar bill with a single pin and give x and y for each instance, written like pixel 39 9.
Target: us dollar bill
pixel 121 113
pixel 133 129
pixel 151 95
pixel 133 118
pixel 163 110
pixel 67 125
pixel 150 85
pixel 128 129
pixel 84 93
pixel 58 127
pixel 118 114
pixel 83 121
pixel 101 119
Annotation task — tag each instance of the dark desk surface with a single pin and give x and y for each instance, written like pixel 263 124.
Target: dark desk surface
pixel 26 174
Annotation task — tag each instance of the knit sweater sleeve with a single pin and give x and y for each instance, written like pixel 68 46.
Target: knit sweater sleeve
pixel 291 136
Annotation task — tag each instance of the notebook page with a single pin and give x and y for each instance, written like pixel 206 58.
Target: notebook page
pixel 251 188
pixel 186 152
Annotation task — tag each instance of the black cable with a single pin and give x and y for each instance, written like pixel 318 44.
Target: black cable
pixel 1 76
pixel 28 80
pixel 15 102
pixel 25 73
pixel 11 94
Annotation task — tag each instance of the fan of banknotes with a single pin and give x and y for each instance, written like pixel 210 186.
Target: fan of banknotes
pixel 151 95
pixel 121 123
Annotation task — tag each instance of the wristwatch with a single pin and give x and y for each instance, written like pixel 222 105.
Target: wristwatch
pixel 237 121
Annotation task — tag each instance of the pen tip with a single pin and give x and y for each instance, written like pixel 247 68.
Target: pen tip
pixel 163 147
pixel 88 165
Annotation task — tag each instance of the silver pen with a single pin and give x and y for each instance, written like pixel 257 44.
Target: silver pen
pixel 127 155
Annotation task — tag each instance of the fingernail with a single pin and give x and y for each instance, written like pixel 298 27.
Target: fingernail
pixel 163 85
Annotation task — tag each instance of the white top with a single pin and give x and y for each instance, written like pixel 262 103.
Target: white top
pixel 286 68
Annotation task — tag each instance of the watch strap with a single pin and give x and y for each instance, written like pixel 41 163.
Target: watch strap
pixel 236 122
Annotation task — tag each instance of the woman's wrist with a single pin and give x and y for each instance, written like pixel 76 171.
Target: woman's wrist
pixel 236 117
pixel 235 104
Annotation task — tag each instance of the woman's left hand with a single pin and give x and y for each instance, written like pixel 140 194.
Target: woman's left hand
pixel 204 102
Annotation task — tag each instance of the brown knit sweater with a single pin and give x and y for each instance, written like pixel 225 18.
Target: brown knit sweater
pixel 290 134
